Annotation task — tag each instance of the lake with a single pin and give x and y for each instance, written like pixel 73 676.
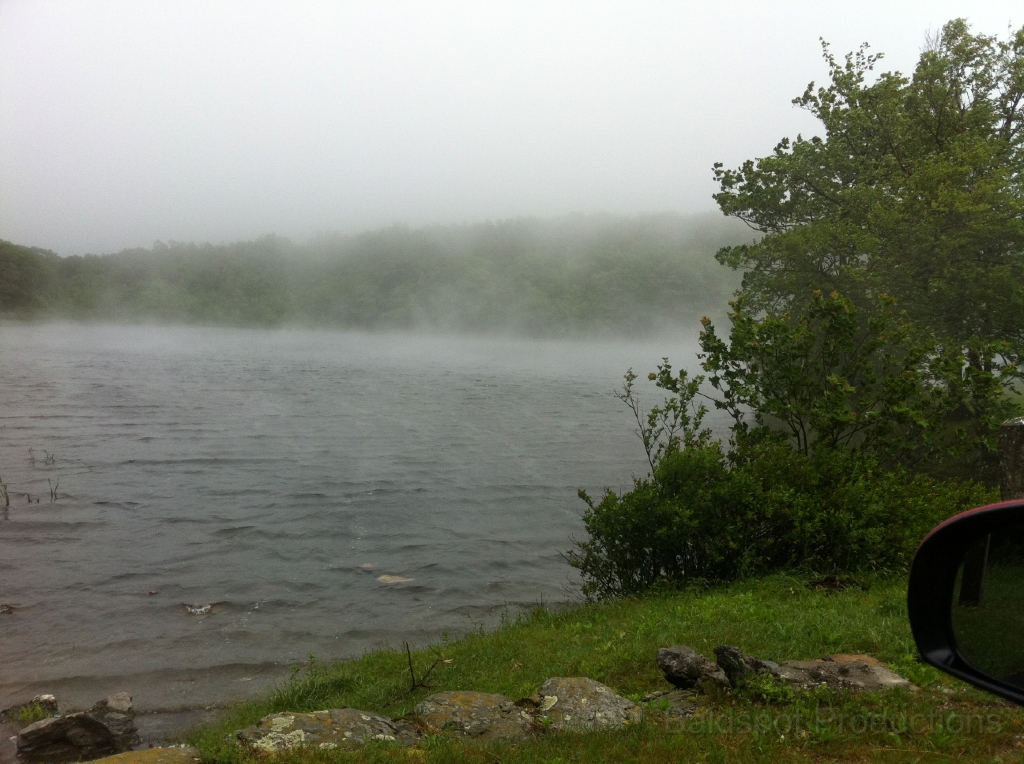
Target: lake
pixel 230 501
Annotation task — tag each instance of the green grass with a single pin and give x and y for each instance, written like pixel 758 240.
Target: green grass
pixel 29 713
pixel 777 618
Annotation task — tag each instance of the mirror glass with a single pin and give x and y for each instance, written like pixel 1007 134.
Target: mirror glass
pixel 988 605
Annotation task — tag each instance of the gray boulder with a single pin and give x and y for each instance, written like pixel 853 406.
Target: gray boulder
pixel 579 703
pixel 684 667
pixel 107 729
pixel 856 675
pixel 840 672
pixel 344 728
pixel 117 714
pixel 478 715
pixel 59 739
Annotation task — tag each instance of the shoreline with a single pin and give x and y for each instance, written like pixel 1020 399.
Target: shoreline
pixel 166 702
pixel 163 691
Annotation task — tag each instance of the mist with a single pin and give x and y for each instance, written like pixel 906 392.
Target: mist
pixel 568 276
pixel 124 123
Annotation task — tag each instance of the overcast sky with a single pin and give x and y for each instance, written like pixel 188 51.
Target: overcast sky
pixel 126 122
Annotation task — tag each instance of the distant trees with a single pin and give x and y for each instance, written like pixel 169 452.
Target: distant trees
pixel 26 274
pixel 565 276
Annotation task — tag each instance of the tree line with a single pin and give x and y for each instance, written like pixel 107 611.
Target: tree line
pixel 569 275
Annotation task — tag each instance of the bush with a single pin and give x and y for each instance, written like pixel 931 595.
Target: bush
pixel 846 430
pixel 706 517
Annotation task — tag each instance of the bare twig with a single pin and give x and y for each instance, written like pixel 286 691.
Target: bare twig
pixel 422 681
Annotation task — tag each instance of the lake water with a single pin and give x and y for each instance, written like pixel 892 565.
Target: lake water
pixel 268 480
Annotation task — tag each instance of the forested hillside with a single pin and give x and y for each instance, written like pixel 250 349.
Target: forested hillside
pixel 571 275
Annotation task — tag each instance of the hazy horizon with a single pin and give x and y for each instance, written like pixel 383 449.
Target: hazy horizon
pixel 307 245
pixel 125 123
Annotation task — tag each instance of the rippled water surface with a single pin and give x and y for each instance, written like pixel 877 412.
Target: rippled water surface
pixel 276 477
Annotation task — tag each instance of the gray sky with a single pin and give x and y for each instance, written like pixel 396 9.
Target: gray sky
pixel 126 122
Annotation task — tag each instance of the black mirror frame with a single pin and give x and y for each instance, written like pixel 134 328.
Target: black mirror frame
pixel 930 591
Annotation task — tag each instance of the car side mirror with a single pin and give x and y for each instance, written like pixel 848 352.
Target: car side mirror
pixel 966 598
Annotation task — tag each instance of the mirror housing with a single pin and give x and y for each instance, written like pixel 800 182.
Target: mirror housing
pixel 933 583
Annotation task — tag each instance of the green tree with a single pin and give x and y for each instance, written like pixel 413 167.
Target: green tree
pixel 838 378
pixel 915 189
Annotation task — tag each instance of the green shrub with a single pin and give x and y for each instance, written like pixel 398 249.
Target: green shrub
pixel 706 517
pixel 847 428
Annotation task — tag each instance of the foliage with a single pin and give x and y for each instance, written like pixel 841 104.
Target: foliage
pixel 777 618
pixel 842 406
pixel 834 376
pixel 915 189
pixel 675 424
pixel 25 275
pixel 700 518
pixel 564 276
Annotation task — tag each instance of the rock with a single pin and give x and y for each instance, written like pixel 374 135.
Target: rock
pixel 173 755
pixel 579 703
pixel 479 715
pixel 856 675
pixel 59 739
pixel 684 667
pixel 840 672
pixel 737 665
pixel 47 705
pixel 117 714
pixel 108 728
pixel 797 674
pixel 345 728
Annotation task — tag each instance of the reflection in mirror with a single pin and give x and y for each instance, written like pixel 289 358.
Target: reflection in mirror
pixel 988 605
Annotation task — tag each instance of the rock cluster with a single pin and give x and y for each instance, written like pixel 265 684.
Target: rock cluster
pixel 569 703
pixel 575 704
pixel 562 703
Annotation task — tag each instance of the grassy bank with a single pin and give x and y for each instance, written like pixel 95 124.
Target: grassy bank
pixel 779 617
